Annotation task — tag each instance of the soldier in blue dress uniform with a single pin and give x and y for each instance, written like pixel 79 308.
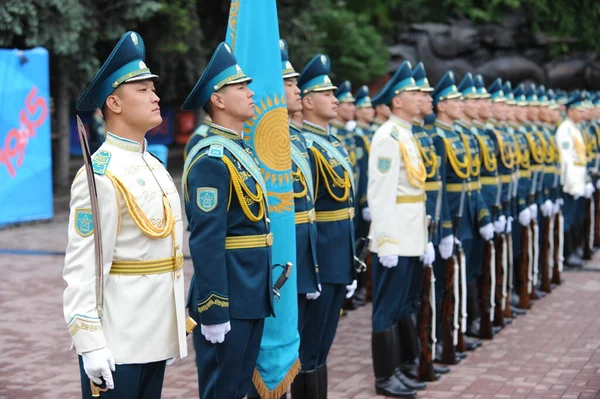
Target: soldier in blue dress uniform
pixel 365 113
pixel 454 175
pixel 334 206
pixel 345 114
pixel 442 238
pixel 481 227
pixel 305 384
pixel 396 194
pixel 230 242
pixel 198 134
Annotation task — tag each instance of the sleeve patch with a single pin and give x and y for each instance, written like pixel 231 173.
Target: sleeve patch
pixel 215 151
pixel 207 198
pixel 384 164
pixel 84 223
pixel 100 162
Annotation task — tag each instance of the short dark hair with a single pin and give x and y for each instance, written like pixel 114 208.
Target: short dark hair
pixel 208 107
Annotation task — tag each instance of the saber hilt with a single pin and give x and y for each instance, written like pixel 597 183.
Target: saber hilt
pixel 283 277
pixel 359 261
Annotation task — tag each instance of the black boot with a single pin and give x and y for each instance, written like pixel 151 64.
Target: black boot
pixel 305 385
pixel 408 350
pixel 385 364
pixel 322 381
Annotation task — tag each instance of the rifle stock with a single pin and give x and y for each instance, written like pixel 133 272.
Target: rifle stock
pixel 524 270
pixel 426 372
pixel 500 242
pixel 587 250
pixel 509 278
pixel 448 348
pixel 534 243
pixel 460 345
pixel 556 279
pixel 485 328
pixel 545 255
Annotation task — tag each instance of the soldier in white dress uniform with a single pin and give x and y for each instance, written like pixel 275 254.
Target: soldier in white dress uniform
pixel 142 325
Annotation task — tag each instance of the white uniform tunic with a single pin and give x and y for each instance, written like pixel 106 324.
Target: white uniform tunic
pixel 144 307
pixel 572 158
pixel 399 224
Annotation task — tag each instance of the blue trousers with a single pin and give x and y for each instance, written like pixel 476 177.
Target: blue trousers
pixel 321 317
pixel 225 370
pixel 395 290
pixel 474 250
pixel 132 381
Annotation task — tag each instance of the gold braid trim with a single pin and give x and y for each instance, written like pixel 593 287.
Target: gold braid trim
pixel 523 156
pixel 580 150
pixel 138 215
pixel 281 388
pixel 490 162
pixel 474 161
pixel 551 151
pixel 302 181
pixel 416 178
pixel 242 191
pixel 507 159
pixel 537 151
pixel 326 170
pixel 457 165
pixel 429 161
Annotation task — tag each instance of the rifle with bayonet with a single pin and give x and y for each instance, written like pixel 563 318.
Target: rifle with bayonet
pixel 507 204
pixel 535 236
pixel 450 302
pixel 501 272
pixel 547 259
pixel 526 254
pixel 427 311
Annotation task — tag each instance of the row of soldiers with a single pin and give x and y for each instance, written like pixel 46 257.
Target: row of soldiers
pixel 434 204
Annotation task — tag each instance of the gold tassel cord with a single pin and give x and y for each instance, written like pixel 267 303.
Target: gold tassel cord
pixel 457 165
pixel 474 161
pixel 430 161
pixel 506 154
pixel 326 170
pixel 138 215
pixel 490 162
pixel 416 178
pixel 243 191
pixel 302 181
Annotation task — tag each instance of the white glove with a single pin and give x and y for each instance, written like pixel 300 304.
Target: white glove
pixel 314 295
pixel 560 201
pixel 525 217
pixel 446 246
pixel 547 208
pixel 588 190
pixel 598 184
pixel 533 211
pixel 171 361
pixel 215 333
pixel 366 214
pixel 509 224
pixel 99 363
pixel 487 231
pixel 555 208
pixel 389 260
pixel 350 289
pixel 500 225
pixel 429 256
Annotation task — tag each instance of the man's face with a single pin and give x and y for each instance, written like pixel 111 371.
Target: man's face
pixel 139 104
pixel 409 102
pixel 237 100
pixel 510 112
pixel 346 111
pixel 383 111
pixel 454 108
pixel 471 108
pixel 323 103
pixel 499 111
pixel 365 114
pixel 292 95
pixel 426 107
pixel 533 113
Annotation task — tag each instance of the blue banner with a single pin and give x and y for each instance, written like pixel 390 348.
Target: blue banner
pixel 253 34
pixel 25 144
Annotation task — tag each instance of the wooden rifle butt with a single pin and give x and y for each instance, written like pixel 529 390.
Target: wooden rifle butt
pixel 426 372
pixel 510 270
pixel 545 256
pixel 485 326
pixel 524 270
pixel 499 243
pixel 448 348
pixel 587 250
pixel 556 279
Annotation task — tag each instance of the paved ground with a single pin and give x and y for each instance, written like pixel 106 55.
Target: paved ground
pixel 552 352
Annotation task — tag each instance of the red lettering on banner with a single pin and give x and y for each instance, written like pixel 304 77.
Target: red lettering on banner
pixel 17 139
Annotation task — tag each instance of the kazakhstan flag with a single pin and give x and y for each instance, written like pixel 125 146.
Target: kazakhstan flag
pixel 253 34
